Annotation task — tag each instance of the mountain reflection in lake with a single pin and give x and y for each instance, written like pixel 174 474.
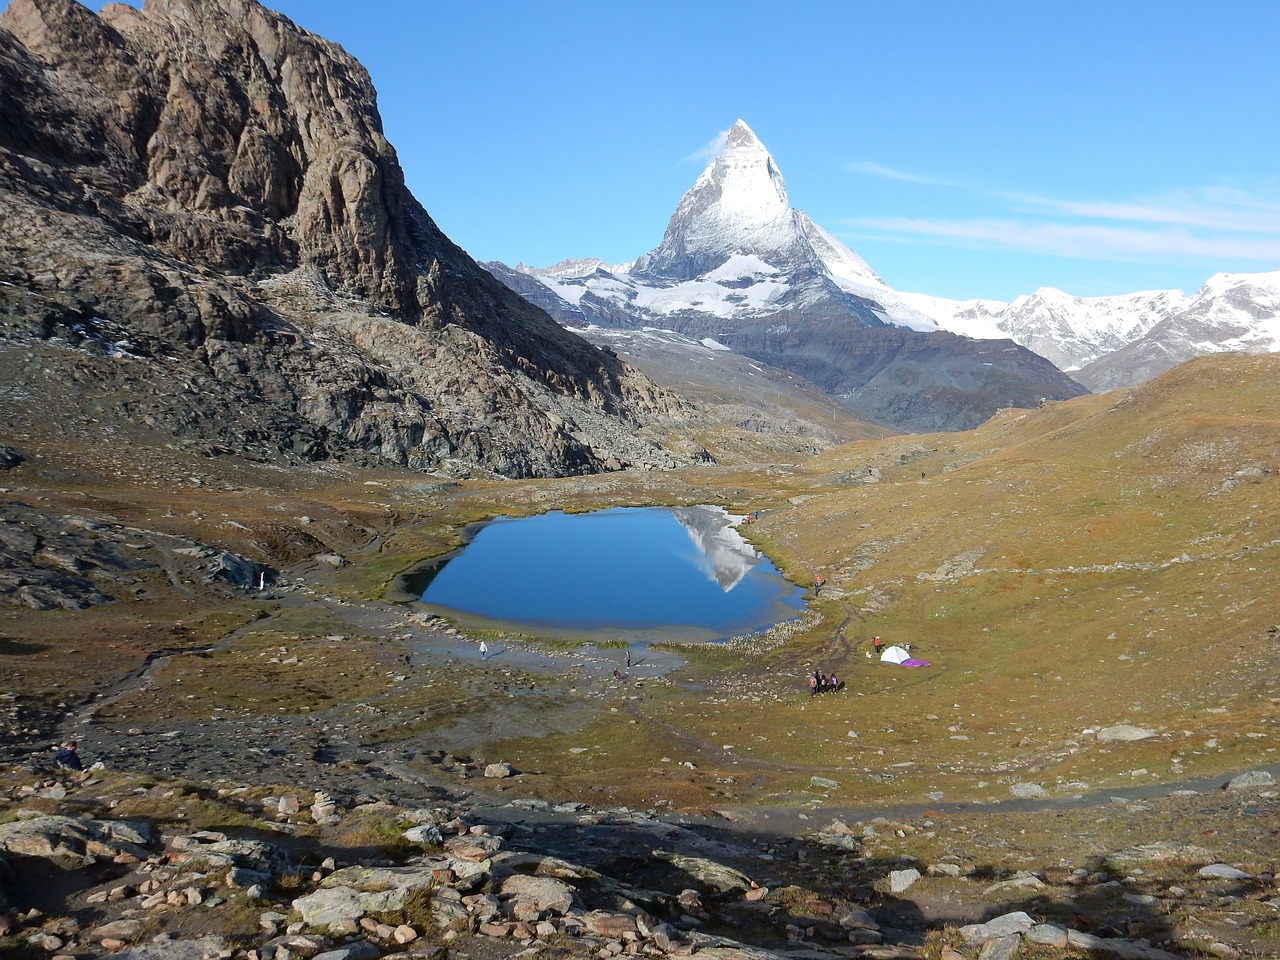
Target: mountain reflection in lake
pixel 634 572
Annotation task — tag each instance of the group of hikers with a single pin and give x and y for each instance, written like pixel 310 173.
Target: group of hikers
pixel 822 683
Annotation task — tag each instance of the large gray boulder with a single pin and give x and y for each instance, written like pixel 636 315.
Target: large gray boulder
pixel 74 839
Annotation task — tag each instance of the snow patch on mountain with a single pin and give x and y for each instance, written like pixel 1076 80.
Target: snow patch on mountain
pixel 1070 331
pixel 734 249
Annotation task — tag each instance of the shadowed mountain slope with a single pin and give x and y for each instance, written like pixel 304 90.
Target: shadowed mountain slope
pixel 204 190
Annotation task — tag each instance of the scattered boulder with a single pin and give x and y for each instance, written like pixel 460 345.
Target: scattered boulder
pixel 1222 871
pixel 1124 733
pixel 1002 926
pixel 1027 791
pixel 74 839
pixel 901 880
pixel 1254 778
pixel 708 873
pixel 533 898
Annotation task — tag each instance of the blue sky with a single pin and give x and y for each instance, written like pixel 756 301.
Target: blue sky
pixel 963 150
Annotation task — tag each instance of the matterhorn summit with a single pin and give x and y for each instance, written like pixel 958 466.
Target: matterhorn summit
pixel 736 226
pixel 739 267
pixel 737 207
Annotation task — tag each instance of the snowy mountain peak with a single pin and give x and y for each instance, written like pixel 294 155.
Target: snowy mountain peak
pixel 736 226
pixel 738 205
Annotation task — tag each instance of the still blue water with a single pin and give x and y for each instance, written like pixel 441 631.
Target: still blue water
pixel 628 569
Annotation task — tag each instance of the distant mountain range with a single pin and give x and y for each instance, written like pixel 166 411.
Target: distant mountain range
pixel 739 267
pixel 1108 342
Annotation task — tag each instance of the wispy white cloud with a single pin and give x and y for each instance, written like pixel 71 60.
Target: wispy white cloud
pixel 1089 241
pixel 711 150
pixel 874 169
pixel 1214 208
pixel 1215 223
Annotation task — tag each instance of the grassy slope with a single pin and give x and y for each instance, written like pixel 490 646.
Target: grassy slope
pixel 1105 560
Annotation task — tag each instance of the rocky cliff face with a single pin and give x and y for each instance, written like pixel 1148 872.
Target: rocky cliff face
pixel 203 191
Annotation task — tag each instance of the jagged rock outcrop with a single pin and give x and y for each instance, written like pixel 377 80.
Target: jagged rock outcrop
pixel 203 193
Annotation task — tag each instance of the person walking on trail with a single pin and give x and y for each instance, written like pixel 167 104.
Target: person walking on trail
pixel 878 644
pixel 813 684
pixel 484 650
pixel 817 584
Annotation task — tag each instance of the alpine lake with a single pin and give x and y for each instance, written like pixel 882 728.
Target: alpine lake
pixel 635 575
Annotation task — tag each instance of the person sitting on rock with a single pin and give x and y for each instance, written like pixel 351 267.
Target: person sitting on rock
pixel 67 757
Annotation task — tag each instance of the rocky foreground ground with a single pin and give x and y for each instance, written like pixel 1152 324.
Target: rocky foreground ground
pixel 108 864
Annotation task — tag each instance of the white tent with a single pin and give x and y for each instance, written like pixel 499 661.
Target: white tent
pixel 894 654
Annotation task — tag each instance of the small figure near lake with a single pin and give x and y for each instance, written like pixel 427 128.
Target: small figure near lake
pixel 484 650
pixel 819 682
pixel 67 758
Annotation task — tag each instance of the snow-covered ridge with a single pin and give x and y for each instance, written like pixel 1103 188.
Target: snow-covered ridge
pixel 1231 311
pixel 733 249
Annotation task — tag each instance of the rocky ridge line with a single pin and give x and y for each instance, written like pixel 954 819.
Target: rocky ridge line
pixel 202 192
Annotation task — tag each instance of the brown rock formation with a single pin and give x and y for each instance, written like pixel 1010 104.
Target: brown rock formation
pixel 203 191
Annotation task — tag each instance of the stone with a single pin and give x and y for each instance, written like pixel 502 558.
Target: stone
pixel 901 880
pixel 199 949
pixel 1001 948
pixel 855 917
pixel 257 856
pixel 1047 934
pixel 118 930
pixel 1022 880
pixel 73 839
pixel 1001 926
pixel 1115 947
pixel 323 808
pixel 1254 778
pixel 712 875
pixel 325 908
pixel 427 834
pixel 1163 851
pixel 359 950
pixel 617 925
pixel 1222 871
pixel 532 898
pixel 499 771
pixel 1124 733
pixel 1027 791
